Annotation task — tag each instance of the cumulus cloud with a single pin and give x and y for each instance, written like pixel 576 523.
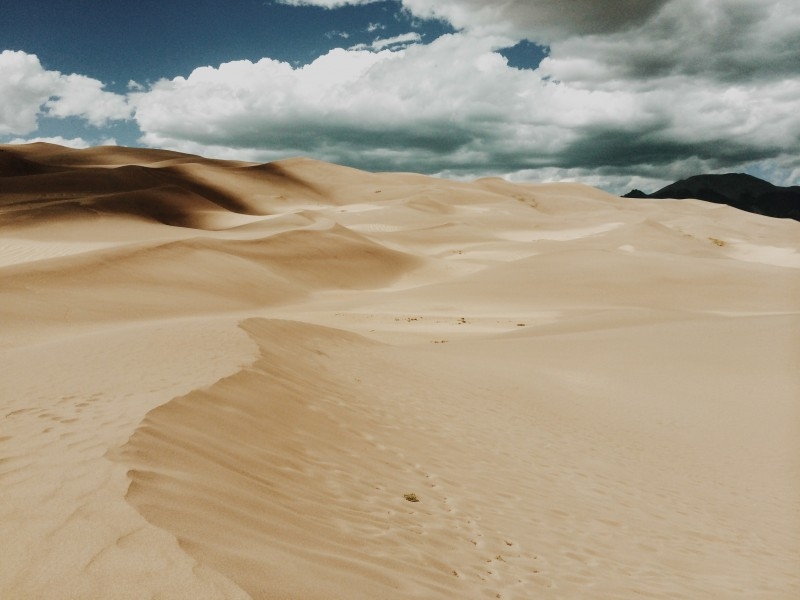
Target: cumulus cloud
pixel 84 97
pixel 633 93
pixel 622 39
pixel 454 106
pixel 346 102
pixel 24 87
pixel 629 88
pixel 30 91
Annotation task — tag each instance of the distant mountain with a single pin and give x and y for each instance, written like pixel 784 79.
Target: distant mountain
pixel 739 190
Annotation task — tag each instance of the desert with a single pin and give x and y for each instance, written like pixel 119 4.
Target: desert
pixel 225 379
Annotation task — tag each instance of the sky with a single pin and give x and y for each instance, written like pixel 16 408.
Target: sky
pixel 618 94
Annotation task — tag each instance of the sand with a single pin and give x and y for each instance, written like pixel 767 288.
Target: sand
pixel 224 380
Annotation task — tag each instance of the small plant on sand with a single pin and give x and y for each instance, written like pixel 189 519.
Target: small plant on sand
pixel 411 497
pixel 716 241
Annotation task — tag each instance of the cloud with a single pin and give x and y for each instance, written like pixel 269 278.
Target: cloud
pixel 539 20
pixel 340 34
pixel 454 106
pixel 84 97
pixel 24 87
pixel 542 20
pixel 641 86
pixel 327 3
pixel 593 42
pixel 76 142
pixel 732 41
pixel 346 103
pixel 395 43
pixel 632 94
pixel 29 91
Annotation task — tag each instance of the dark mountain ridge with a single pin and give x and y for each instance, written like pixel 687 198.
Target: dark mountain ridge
pixel 739 190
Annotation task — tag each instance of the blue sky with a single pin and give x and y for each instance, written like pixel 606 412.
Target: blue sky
pixel 618 94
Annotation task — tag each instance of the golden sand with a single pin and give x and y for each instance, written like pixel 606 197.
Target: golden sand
pixel 300 380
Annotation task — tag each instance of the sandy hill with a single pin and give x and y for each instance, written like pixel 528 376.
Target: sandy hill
pixel 300 380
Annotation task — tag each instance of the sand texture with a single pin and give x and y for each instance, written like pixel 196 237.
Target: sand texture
pixel 299 380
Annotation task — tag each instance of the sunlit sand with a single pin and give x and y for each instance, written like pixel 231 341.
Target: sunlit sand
pixel 225 380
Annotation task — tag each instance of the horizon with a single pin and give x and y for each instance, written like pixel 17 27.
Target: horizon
pixel 435 175
pixel 628 95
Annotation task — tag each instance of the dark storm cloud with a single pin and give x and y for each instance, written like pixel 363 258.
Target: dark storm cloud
pixel 725 41
pixel 541 20
pixel 618 149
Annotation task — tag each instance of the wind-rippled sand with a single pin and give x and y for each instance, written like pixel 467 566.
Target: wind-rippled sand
pixel 226 380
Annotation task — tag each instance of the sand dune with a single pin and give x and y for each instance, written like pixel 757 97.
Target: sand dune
pixel 227 380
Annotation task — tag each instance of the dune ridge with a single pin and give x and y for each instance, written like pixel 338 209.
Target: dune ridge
pixel 227 380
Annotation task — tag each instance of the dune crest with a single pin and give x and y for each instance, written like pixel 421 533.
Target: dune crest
pixel 229 380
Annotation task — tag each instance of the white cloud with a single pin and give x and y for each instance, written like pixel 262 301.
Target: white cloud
pixel 76 142
pixel 671 85
pixel 326 3
pixel 454 106
pixel 634 93
pixel 29 91
pixel 84 97
pixel 24 87
pixel 355 98
pixel 614 40
pixel 395 43
pixel 543 18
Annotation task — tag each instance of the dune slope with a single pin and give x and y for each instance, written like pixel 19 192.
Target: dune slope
pixel 299 380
